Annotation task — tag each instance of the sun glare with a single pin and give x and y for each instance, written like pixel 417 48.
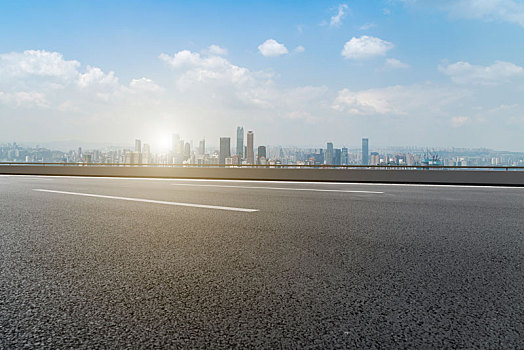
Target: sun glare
pixel 162 143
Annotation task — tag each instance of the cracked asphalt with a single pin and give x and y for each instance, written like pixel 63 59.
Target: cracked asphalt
pixel 419 267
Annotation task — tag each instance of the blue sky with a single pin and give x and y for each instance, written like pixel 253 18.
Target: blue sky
pixel 401 72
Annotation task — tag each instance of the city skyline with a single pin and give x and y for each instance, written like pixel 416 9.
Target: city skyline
pixel 299 72
pixel 183 152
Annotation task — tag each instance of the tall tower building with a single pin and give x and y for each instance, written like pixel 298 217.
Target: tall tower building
pixel 225 150
pixel 250 156
pixel 180 147
pixel 329 154
pixel 179 154
pixel 344 156
pixel 337 156
pixel 202 147
pixel 240 142
pixel 138 152
pixel 187 150
pixel 365 152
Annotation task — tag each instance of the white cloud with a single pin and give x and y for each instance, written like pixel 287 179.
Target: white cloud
pixel 459 121
pixel 395 64
pixel 336 20
pixel 364 103
pixel 498 72
pixel 42 79
pixel 37 63
pixel 181 59
pixel 217 50
pixel 396 100
pixel 367 26
pixel 204 94
pixel 144 85
pixel 511 11
pixel 197 69
pixel 299 49
pixel 26 99
pixel 504 10
pixel 272 48
pixel 214 80
pixel 94 76
pixel 365 47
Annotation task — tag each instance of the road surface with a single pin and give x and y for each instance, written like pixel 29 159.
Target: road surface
pixel 144 263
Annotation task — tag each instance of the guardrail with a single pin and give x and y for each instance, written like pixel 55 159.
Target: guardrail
pixel 500 176
pixel 282 166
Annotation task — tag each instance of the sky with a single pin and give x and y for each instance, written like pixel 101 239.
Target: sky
pixel 400 72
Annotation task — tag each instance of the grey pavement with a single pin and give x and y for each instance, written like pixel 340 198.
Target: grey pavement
pixel 394 266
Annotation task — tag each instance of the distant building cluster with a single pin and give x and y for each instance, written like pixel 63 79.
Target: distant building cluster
pixel 244 151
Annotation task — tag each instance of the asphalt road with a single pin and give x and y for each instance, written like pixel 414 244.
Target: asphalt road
pixel 125 263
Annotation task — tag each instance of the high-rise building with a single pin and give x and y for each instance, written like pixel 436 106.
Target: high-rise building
pixel 337 156
pixel 235 159
pixel 138 146
pixel 202 147
pixel 328 159
pixel 250 156
pixel 374 159
pixel 180 147
pixel 128 158
pixel 240 142
pixel 187 151
pixel 345 156
pixel 225 150
pixel 261 154
pixel 179 154
pixel 365 151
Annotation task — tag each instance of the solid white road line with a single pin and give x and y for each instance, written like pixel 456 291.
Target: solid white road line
pixel 151 201
pixel 270 182
pixel 280 188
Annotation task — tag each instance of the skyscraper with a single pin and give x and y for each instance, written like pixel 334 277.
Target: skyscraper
pixel 250 156
pixel 179 154
pixel 329 154
pixel 187 150
pixel 138 152
pixel 240 142
pixel 225 150
pixel 261 154
pixel 202 147
pixel 365 152
pixel 344 156
pixel 337 156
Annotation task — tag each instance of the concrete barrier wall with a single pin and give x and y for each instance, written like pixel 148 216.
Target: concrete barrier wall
pixel 464 177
